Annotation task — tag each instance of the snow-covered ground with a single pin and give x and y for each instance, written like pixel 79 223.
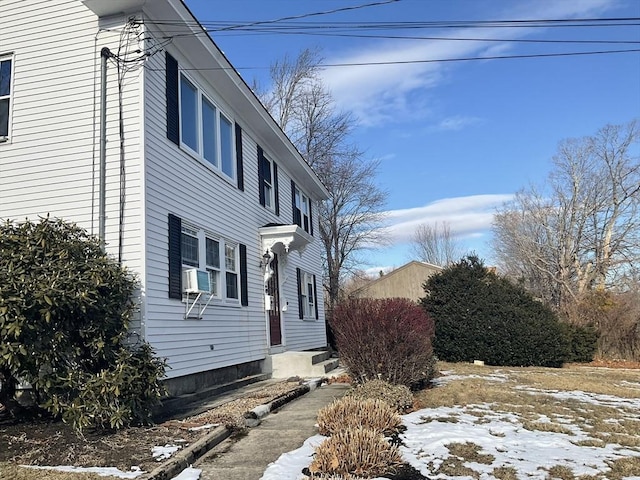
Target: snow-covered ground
pixel 500 434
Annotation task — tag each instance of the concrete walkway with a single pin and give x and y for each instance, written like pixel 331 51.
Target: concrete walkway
pixel 247 458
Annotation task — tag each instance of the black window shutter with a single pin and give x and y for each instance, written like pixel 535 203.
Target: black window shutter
pixel 173 108
pixel 315 295
pixel 261 175
pixel 297 217
pixel 300 305
pixel 240 167
pixel 276 192
pixel 310 216
pixel 244 286
pixel 175 257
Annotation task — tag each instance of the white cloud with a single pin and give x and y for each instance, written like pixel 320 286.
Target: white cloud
pixel 468 217
pixel 382 93
pixel 457 122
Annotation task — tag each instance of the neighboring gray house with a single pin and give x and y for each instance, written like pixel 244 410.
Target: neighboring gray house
pixel 125 117
pixel 403 282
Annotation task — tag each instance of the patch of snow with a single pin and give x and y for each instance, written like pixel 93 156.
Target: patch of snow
pixel 204 427
pixel 162 453
pixel 189 474
pixel 587 397
pixel 101 471
pixel 494 377
pixel 289 465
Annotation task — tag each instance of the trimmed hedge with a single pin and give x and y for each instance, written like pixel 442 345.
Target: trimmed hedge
pixel 481 316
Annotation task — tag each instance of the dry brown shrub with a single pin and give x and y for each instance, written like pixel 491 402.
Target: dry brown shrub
pixel 398 397
pixel 616 317
pixel 349 412
pixel 356 451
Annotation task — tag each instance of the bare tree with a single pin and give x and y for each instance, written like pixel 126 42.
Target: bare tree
pixel 583 232
pixel 436 244
pixel 350 219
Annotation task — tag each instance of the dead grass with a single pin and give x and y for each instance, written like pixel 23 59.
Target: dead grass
pixel 624 467
pixel 15 472
pixel 545 400
pixel 505 473
pixel 470 452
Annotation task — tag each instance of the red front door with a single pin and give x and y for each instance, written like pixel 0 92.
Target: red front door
pixel 272 289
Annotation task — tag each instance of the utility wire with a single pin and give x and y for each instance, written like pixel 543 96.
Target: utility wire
pixel 219 26
pixel 460 39
pixel 440 60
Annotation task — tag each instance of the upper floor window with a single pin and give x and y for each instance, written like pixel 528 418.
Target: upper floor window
pixel 5 97
pixel 267 183
pixel 205 130
pixel 302 210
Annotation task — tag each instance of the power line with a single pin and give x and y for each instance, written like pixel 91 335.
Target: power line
pixel 219 26
pixel 440 60
pixel 459 39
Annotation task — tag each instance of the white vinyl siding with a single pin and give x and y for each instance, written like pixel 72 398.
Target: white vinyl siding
pixel 48 165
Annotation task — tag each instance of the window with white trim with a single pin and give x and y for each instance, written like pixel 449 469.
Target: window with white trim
pixel 204 250
pixel 205 131
pixel 302 210
pixel 231 270
pixel 213 264
pixel 267 183
pixel 308 295
pixel 5 97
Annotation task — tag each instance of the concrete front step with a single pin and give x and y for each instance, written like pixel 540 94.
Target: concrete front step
pixel 302 364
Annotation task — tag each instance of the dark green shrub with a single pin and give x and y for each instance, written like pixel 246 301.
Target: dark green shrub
pixel 65 307
pixel 583 342
pixel 387 339
pixel 481 316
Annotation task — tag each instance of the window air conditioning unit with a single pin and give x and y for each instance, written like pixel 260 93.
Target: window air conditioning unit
pixel 195 280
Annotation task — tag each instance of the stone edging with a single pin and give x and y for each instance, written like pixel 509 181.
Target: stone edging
pixel 186 457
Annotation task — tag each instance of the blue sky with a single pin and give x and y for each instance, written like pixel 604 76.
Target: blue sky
pixel 454 139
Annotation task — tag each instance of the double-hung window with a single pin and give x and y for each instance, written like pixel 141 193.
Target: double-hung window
pixel 302 210
pixel 205 130
pixel 205 251
pixel 231 270
pixel 213 264
pixel 307 295
pixel 190 248
pixel 5 97
pixel 267 183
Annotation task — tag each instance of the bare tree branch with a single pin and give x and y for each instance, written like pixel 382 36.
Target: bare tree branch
pixel 583 233
pixel 350 219
pixel 436 244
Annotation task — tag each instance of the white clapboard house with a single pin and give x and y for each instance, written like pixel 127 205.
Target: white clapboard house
pixel 125 117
